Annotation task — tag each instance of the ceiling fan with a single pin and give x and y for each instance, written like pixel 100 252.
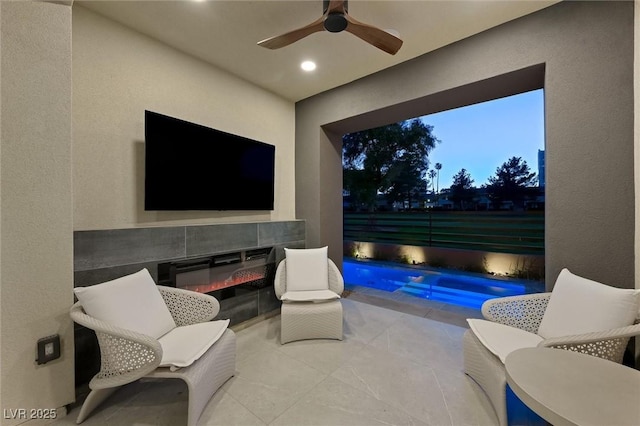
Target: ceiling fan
pixel 335 18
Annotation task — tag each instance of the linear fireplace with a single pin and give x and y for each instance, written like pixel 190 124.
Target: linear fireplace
pixel 224 275
pixel 102 255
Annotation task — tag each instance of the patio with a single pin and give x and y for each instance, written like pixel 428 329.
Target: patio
pixel 400 363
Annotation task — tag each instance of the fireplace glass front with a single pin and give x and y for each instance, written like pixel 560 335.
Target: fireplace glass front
pixel 223 276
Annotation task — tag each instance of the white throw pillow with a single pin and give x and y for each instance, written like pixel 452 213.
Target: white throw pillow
pixel 307 269
pixel 502 339
pixel 184 345
pixel 309 296
pixel 132 302
pixel 578 305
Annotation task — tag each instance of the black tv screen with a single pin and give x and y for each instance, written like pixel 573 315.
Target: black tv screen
pixel 193 167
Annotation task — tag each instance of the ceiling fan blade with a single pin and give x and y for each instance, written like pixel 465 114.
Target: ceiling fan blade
pixel 292 36
pixel 374 36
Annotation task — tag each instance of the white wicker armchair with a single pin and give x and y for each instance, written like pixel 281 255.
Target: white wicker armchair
pixel 127 356
pixel 310 320
pixel 526 313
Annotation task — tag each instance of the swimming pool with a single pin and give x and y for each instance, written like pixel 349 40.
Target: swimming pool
pixel 448 286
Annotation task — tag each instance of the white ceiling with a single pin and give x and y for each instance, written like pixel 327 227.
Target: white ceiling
pixel 225 33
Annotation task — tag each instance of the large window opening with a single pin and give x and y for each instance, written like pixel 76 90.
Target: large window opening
pixel 457 198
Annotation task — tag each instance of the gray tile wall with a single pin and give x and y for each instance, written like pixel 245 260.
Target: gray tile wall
pixel 107 254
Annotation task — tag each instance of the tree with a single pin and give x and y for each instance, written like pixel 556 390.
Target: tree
pixel 408 186
pixel 391 160
pixel 512 182
pixel 360 193
pixel 462 189
pixel 432 174
pixel 438 167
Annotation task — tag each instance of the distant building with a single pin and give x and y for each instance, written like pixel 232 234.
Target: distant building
pixel 541 168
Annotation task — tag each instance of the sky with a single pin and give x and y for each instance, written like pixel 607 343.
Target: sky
pixel 481 137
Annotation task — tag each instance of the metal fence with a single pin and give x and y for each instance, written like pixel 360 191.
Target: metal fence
pixel 502 232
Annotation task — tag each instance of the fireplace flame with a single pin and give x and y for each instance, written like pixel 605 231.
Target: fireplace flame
pixel 237 279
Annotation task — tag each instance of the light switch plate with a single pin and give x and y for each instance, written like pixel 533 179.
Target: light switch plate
pixel 48 349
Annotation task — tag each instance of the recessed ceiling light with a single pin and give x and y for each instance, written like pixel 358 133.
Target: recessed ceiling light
pixel 308 65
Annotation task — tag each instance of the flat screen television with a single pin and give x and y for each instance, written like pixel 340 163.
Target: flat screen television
pixel 193 167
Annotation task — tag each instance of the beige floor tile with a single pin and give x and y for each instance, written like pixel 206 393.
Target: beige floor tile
pixel 334 403
pixel 270 382
pixel 258 338
pixel 324 355
pixel 464 399
pixel 398 381
pixel 423 341
pixel 364 323
pixel 225 410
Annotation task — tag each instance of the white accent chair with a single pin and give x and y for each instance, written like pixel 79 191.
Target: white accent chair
pixel 309 285
pixel 153 331
pixel 578 315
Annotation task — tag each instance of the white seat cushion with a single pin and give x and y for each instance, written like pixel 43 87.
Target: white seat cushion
pixel 502 339
pixel 132 302
pixel 307 269
pixel 578 305
pixel 183 345
pixel 309 296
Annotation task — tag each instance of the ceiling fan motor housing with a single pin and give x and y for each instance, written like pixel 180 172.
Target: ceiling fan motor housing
pixel 335 22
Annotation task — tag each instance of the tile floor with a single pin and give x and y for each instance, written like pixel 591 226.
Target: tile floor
pixel 400 363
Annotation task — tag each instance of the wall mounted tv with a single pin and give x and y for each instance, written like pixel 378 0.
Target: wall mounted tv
pixel 193 167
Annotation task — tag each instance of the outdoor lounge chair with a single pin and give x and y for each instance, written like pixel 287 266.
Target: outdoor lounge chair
pixel 146 330
pixel 578 315
pixel 309 285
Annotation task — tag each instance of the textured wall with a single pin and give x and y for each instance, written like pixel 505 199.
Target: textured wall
pixel 36 246
pixel 636 138
pixel 586 51
pixel 636 144
pixel 117 74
